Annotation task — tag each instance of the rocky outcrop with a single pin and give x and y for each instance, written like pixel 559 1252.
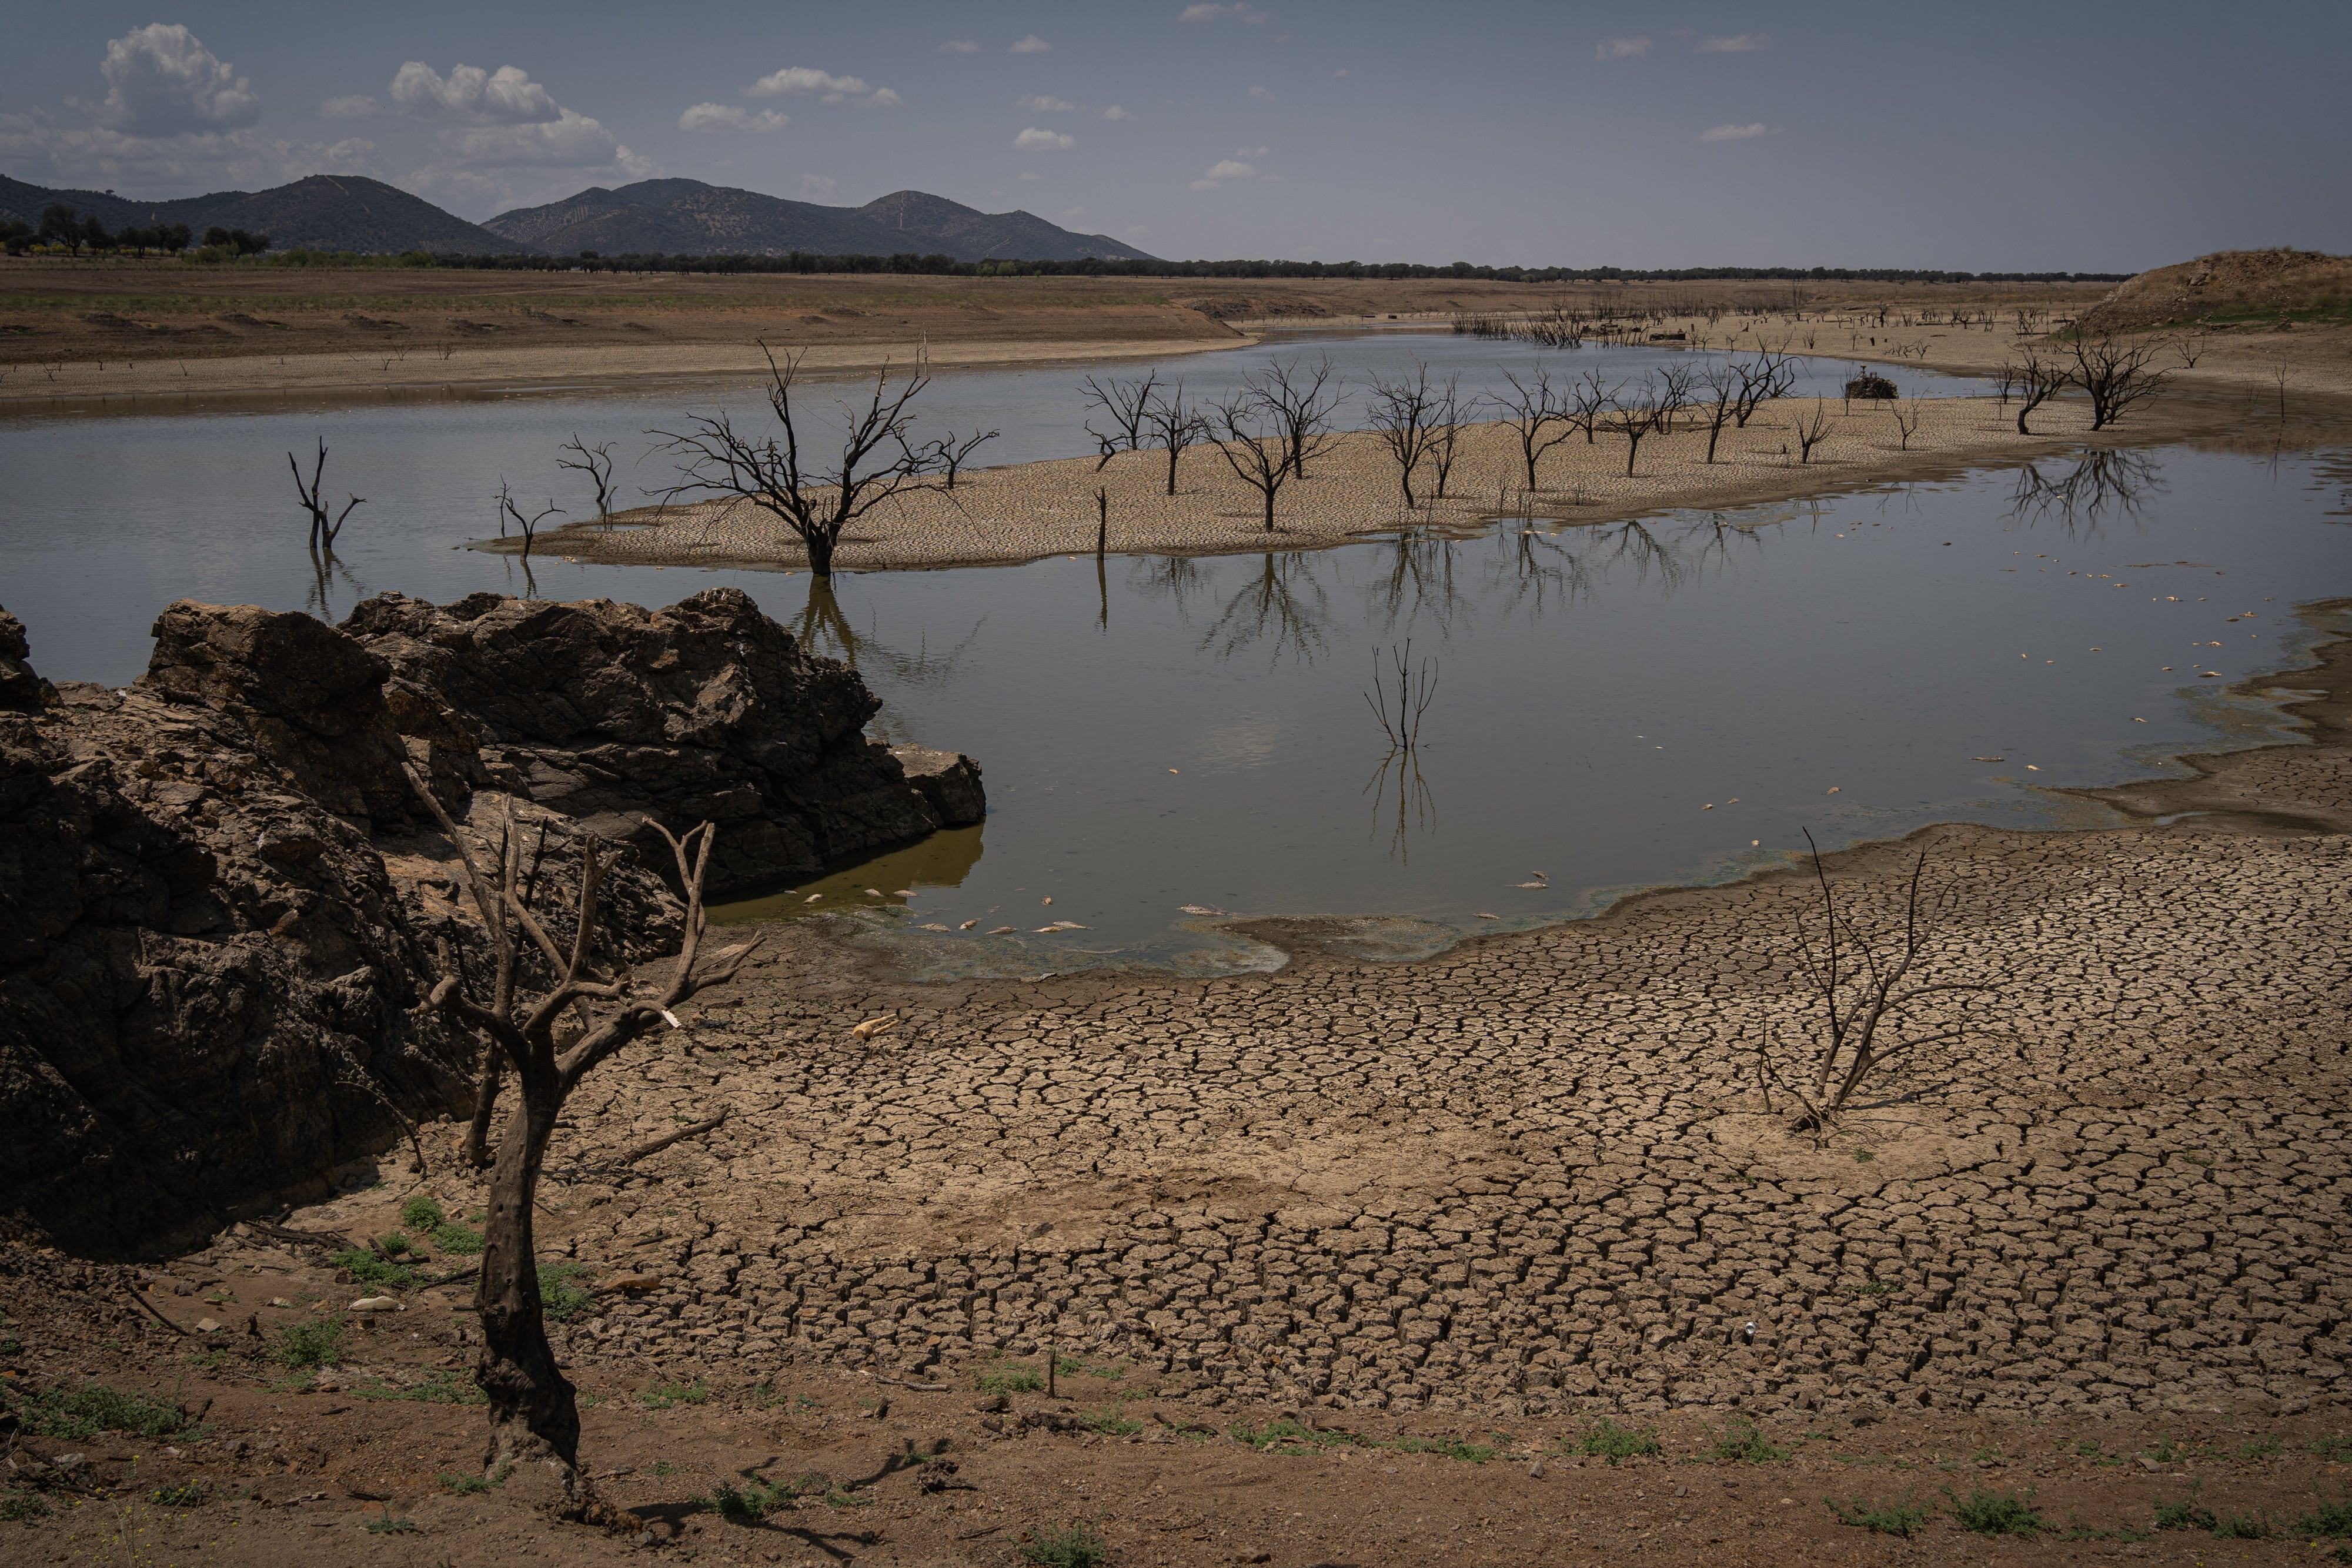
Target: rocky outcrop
pixel 706 710
pixel 221 907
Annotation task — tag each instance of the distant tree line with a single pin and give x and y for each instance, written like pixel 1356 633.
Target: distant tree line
pixel 940 265
pixel 63 228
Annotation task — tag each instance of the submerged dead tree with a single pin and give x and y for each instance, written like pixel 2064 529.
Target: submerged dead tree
pixel 596 462
pixel 550 1042
pixel 323 531
pixel 816 501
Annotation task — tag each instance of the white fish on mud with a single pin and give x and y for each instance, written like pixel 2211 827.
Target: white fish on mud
pixel 1199 909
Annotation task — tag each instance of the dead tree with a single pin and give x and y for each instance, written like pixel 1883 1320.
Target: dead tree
pixel 323 531
pixel 2116 375
pixel 1864 989
pixel 596 462
pixel 815 503
pixel 1722 386
pixel 1770 375
pixel 533 1410
pixel 529 525
pixel 1635 418
pixel 1402 414
pixel 1907 420
pixel 1530 409
pixel 1254 441
pixel 945 455
pixel 1809 430
pixel 1176 424
pixel 1587 400
pixel 1298 394
pixel 2037 380
pixel 1125 404
pixel 1448 415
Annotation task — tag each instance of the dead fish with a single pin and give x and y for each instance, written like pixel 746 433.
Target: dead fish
pixel 1484 915
pixel 1002 931
pixel 1988 758
pixel 812 898
pixel 1831 790
pixel 1070 925
pixel 1530 884
pixel 904 892
pixel 873 892
pixel 966 924
pixel 1048 931
pixel 1708 807
pixel 1047 899
pixel 932 928
pixel 1198 909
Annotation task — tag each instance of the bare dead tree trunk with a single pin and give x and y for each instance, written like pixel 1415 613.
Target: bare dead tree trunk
pixel 1176 424
pixel 1530 409
pixel 2038 381
pixel 1446 419
pixel 1810 429
pixel 1401 415
pixel 1260 457
pixel 596 462
pixel 1297 394
pixel 323 532
pixel 529 525
pixel 1907 421
pixel 2116 375
pixel 1127 404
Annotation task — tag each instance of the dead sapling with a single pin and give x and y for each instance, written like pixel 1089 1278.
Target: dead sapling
pixel 324 531
pixel 2115 376
pixel 1532 409
pixel 946 455
pixel 1810 429
pixel 1448 415
pixel 1126 407
pixel 534 1411
pixel 1176 424
pixel 1301 396
pixel 528 524
pixel 596 462
pixel 1401 415
pixel 1907 420
pixel 2038 379
pixel 1254 443
pixel 1861 988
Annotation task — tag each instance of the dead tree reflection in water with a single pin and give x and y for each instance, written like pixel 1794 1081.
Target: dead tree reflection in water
pixel 326 569
pixel 2108 481
pixel 1533 567
pixel 1414 809
pixel 1177 576
pixel 1419 579
pixel 823 627
pixel 1282 603
pixel 1400 697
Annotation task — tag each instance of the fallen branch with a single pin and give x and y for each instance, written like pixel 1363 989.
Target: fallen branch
pixel 655 1146
pixel 154 1311
pixel 326 1240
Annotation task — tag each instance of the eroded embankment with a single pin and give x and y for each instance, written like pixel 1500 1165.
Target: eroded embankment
pixel 1536 1173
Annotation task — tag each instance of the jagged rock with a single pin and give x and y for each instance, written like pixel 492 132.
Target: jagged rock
pixel 20 688
pixel 221 908
pixel 949 780
pixel 706 710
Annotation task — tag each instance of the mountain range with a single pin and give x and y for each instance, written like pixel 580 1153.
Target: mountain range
pixel 687 216
pixel 341 212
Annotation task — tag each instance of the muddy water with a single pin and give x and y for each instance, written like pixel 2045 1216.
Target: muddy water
pixel 1674 700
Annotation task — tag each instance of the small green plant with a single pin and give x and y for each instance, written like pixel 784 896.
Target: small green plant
pixel 319 1343
pixel 78 1414
pixel 2335 1447
pixel 462 1486
pixel 2332 1518
pixel 1904 1516
pixel 559 1294
pixel 2183 1514
pixel 2241 1526
pixel 368 1269
pixel 2088 1451
pixel 664 1468
pixel 393 1243
pixel 2261 1448
pixel 384 1525
pixel 422 1214
pixel 441 1386
pixel 1065 1546
pixel 2166 1451
pixel 842 1497
pixel 669 1395
pixel 1017 1378
pixel 1111 1420
pixel 756 1499
pixel 1867 1288
pixel 1448 1448
pixel 1996 1512
pixel 181 1494
pixel 1863 1157
pixel 1741 1442
pixel 1293 1439
pixel 18 1505
pixel 1607 1440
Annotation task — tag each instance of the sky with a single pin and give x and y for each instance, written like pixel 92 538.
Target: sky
pixel 2075 135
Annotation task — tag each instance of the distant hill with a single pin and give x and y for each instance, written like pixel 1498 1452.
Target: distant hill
pixel 2228 285
pixel 687 216
pixel 324 212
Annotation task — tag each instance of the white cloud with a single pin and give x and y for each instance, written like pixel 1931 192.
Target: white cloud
pixel 1228 169
pixel 1042 105
pixel 1735 132
pixel 1215 13
pixel 1032 45
pixel 818 188
pixel 959 46
pixel 831 89
pixel 1740 44
pixel 162 82
pixel 1203 185
pixel 472 96
pixel 34 146
pixel 1115 112
pixel 803 78
pixel 729 116
pixel 1035 141
pixel 1260 94
pixel 1621 48
pixel 568 141
pixel 356 106
pixel 1074 212
pixel 1252 152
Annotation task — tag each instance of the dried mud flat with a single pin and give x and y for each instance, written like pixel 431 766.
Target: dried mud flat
pixel 1439 1219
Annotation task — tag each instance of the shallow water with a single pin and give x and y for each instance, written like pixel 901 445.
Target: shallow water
pixel 1669 701
pixel 111 512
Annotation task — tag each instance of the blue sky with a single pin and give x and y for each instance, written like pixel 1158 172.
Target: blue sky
pixel 2074 134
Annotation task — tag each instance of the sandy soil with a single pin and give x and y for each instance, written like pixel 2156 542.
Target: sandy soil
pixel 1034 509
pixel 1450 1214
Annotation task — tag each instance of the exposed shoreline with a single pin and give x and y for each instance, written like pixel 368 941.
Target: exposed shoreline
pixel 1030 511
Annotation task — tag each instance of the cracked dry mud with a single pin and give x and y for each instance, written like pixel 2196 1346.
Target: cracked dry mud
pixel 1535 1175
